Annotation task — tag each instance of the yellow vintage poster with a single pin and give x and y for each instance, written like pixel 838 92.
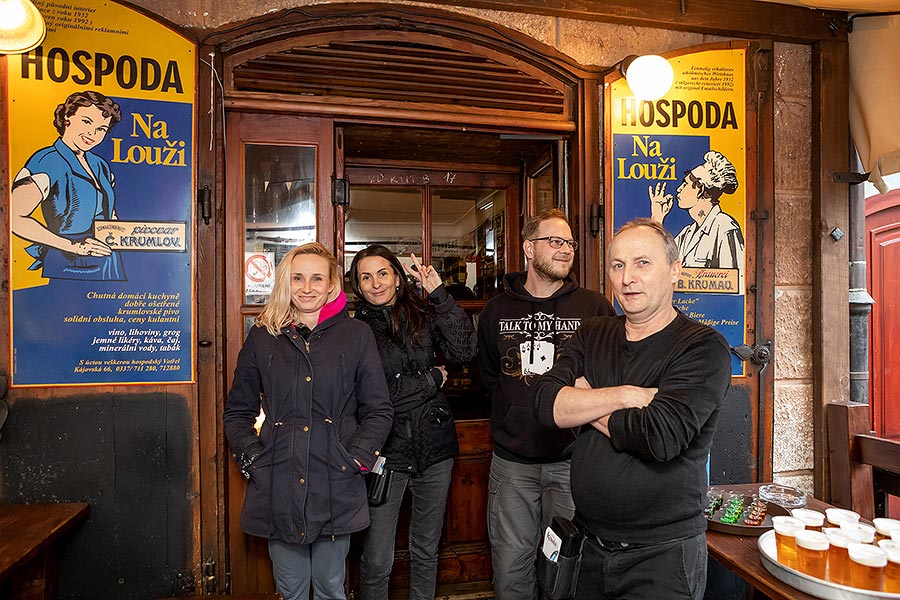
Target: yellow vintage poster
pixel 101 130
pixel 681 160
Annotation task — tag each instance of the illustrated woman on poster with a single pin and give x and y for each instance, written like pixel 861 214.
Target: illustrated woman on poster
pixel 73 188
pixel 714 240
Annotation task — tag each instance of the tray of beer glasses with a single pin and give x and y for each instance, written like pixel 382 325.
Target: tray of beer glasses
pixel 829 566
pixel 739 513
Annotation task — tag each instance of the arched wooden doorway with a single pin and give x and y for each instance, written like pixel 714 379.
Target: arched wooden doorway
pixel 326 93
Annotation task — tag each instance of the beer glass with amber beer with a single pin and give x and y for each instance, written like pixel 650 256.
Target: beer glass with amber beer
pixel 813 519
pixel 867 564
pixel 892 568
pixel 884 528
pixel 786 529
pixel 812 552
pixel 836 516
pixel 866 532
pixel 838 558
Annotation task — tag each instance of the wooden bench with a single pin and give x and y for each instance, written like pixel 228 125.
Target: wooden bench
pixel 863 468
pixel 28 549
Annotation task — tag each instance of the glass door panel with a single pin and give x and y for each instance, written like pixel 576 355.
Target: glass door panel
pixel 391 216
pixel 467 240
pixel 279 210
pixel 542 190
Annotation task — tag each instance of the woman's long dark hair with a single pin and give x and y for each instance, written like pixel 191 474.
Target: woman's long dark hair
pixel 409 306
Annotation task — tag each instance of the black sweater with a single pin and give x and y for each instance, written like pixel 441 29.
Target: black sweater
pixel 646 482
pixel 519 337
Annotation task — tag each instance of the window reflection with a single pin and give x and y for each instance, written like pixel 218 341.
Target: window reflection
pixel 542 194
pixel 391 216
pixel 279 210
pixel 467 226
pixel 467 240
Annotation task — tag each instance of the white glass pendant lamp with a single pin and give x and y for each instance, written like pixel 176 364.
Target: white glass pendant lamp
pixel 22 27
pixel 650 77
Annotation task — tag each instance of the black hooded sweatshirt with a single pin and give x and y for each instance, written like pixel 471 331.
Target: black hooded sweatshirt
pixel 519 338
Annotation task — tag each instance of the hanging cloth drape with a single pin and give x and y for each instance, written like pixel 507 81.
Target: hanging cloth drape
pixel 875 95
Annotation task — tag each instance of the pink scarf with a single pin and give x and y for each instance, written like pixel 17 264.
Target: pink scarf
pixel 334 307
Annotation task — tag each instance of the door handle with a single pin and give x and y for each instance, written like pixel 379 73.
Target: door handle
pixel 760 354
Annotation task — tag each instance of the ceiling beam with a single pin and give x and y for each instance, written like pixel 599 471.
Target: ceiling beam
pixel 744 18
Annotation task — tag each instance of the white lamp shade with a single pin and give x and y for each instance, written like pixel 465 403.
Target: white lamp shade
pixel 650 77
pixel 22 27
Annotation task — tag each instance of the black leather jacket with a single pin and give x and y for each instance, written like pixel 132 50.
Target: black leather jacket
pixel 423 432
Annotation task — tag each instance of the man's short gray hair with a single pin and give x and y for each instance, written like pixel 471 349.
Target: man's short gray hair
pixel 668 241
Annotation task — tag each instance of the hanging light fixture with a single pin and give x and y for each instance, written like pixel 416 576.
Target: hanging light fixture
pixel 22 27
pixel 650 77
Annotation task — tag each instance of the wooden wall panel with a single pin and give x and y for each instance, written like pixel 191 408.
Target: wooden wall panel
pixel 830 225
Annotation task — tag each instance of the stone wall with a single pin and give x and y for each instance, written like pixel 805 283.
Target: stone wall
pixel 595 43
pixel 793 431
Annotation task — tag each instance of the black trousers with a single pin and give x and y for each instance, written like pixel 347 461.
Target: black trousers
pixel 670 570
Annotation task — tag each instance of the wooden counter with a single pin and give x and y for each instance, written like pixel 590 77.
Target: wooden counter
pixel 28 549
pixel 741 554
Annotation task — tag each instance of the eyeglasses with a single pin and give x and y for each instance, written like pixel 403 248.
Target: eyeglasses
pixel 557 242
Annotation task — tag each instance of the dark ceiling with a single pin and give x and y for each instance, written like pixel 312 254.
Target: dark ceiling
pixel 372 142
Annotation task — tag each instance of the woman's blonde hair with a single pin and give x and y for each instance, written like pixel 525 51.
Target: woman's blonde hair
pixel 279 311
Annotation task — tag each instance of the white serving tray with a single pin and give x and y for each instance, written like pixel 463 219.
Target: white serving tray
pixel 806 583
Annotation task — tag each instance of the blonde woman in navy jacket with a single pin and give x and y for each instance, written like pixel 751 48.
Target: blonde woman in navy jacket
pixel 317 376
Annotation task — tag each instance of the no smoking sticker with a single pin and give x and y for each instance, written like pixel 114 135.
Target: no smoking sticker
pixel 259 272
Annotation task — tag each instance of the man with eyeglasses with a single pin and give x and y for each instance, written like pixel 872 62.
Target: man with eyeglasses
pixel 646 389
pixel 521 331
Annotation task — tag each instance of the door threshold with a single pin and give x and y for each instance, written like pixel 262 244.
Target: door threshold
pixel 476 590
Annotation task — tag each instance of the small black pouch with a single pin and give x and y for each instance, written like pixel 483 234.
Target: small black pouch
pixel 378 483
pixel 377 486
pixel 559 578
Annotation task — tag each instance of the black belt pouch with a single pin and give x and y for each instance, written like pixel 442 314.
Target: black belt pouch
pixel 559 579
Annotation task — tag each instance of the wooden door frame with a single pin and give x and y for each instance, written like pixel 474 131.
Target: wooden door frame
pixel 759 307
pixel 274 130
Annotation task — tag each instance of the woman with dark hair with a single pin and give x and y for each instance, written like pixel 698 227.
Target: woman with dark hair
pixel 327 414
pixel 73 187
pixel 422 443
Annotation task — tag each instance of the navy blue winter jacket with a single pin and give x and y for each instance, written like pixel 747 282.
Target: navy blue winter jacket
pixel 326 404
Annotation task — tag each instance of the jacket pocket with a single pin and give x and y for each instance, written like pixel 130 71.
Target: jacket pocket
pixel 345 456
pixel 256 513
pixel 340 431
